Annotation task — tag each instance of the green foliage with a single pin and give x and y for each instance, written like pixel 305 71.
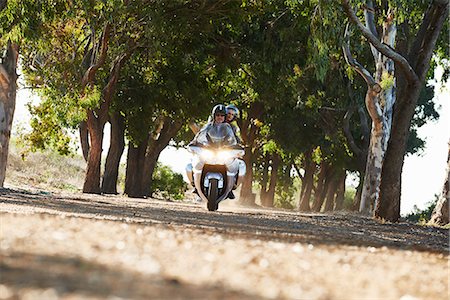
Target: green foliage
pixel 286 188
pixel 168 183
pixel 422 216
pixel 349 196
pixel 387 81
pixel 47 131
pixel 284 196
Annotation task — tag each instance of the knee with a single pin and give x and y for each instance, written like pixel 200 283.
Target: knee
pixel 242 168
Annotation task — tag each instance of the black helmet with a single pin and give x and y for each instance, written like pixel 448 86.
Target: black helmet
pixel 219 109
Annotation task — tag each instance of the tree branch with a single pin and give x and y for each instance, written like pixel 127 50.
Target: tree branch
pixel 385 50
pixel 373 87
pixel 370 25
pixel 90 73
pixel 347 132
pixel 355 64
pixel 364 127
pixel 422 49
pixel 297 169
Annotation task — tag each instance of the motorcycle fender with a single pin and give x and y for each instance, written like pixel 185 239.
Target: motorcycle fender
pixel 217 176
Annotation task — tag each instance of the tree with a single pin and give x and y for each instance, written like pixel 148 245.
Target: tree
pixel 441 213
pixel 21 22
pixel 413 61
pixel 380 98
pixel 8 87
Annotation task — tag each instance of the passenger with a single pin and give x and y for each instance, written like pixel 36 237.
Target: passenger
pixel 232 116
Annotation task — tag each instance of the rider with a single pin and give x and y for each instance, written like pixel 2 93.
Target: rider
pixel 218 114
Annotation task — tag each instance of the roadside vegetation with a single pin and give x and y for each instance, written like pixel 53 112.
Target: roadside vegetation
pixel 48 170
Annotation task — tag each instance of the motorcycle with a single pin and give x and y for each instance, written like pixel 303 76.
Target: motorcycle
pixel 217 154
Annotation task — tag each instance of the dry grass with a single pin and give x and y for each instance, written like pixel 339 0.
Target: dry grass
pixel 44 170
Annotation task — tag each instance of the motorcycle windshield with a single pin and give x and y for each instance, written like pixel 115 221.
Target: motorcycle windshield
pixel 217 135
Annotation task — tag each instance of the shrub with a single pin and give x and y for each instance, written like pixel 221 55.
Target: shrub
pixel 168 183
pixel 349 196
pixel 422 216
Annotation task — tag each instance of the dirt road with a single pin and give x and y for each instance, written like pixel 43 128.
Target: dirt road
pixel 74 246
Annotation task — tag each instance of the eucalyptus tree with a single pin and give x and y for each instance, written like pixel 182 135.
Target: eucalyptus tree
pixel 21 22
pixel 441 212
pixel 8 87
pixel 77 65
pixel 412 54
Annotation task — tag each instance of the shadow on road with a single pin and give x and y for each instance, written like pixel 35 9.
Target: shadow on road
pixel 314 228
pixel 78 278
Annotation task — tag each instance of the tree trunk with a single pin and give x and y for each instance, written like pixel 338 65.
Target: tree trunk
pixel 249 131
pixel 357 198
pixel 84 140
pixel 134 170
pixel 273 180
pixel 308 182
pixel 8 89
pixel 319 194
pixel 247 196
pixel 96 119
pixel 264 180
pixel 155 146
pixel 440 215
pixel 340 193
pixel 109 182
pixel 332 185
pixel 92 179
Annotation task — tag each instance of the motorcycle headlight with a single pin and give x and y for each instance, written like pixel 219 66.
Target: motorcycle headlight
pixel 207 154
pixel 224 155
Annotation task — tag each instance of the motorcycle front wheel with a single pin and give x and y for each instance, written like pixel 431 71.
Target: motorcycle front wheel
pixel 213 194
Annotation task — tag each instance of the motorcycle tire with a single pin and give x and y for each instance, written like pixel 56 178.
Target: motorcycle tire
pixel 213 194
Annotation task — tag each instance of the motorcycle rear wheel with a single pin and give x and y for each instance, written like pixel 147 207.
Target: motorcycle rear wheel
pixel 213 194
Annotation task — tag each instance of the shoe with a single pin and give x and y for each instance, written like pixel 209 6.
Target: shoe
pixel 231 195
pixel 195 192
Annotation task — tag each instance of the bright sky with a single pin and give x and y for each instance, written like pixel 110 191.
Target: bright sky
pixel 423 175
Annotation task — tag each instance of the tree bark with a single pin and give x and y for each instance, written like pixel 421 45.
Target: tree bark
pixel 249 131
pixel 134 170
pixel 319 194
pixel 84 140
pixel 8 89
pixel 264 180
pixel 169 129
pixel 308 182
pixel 440 215
pixel 270 195
pixel 117 145
pixel 357 198
pixel 92 180
pixel 332 185
pixel 420 54
pixel 340 193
